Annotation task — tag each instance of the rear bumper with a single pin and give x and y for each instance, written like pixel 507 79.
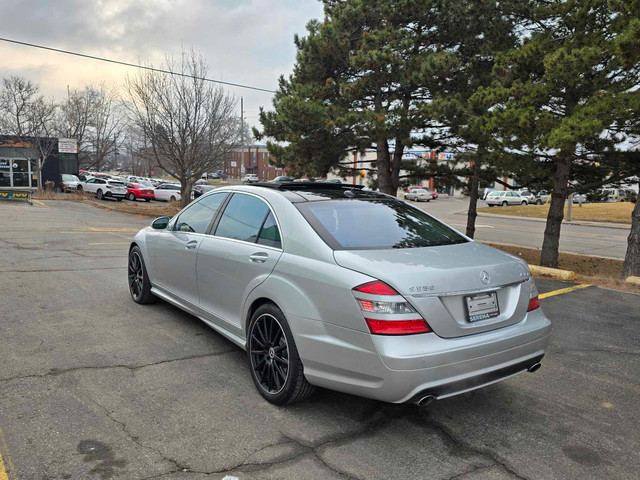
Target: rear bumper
pixel 403 368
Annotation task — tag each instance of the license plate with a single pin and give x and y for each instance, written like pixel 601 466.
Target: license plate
pixel 482 306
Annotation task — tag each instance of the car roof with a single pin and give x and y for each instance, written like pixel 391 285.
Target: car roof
pixel 313 191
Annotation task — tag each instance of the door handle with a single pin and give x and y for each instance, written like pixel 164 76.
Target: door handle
pixel 259 257
pixel 191 244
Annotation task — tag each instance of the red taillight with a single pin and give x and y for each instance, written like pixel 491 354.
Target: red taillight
pixel 533 304
pixel 397 327
pixel 376 288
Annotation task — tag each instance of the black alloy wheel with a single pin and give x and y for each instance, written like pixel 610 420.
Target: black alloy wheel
pixel 276 368
pixel 99 195
pixel 139 284
pixel 269 354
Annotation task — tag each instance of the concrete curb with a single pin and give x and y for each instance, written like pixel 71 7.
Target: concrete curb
pixel 619 226
pixel 554 273
pixel 633 280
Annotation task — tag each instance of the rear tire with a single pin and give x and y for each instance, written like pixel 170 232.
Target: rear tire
pixel 172 199
pixel 538 202
pixel 276 368
pixel 99 194
pixel 138 278
pixel 524 202
pixel 504 204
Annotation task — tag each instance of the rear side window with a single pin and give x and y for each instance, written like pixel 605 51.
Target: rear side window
pixel 242 218
pixel 269 234
pixel 198 216
pixel 375 224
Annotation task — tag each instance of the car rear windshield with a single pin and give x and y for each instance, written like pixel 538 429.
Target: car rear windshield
pixel 375 224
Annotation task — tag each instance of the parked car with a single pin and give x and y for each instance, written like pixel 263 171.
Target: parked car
pixel 68 182
pixel 144 191
pixel 200 190
pixel 526 193
pixel 250 178
pixel 418 195
pixel 505 198
pixel 579 198
pixel 201 181
pixel 211 176
pixel 168 192
pixel 320 282
pixel 104 188
pixel 542 197
pixel 282 179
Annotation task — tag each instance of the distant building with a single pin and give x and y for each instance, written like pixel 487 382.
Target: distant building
pixel 252 159
pixel 19 162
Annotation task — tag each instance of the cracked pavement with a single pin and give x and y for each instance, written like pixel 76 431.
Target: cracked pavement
pixel 93 386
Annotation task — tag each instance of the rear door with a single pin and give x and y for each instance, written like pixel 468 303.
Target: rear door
pixel 241 255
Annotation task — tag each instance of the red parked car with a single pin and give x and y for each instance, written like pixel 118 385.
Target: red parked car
pixel 138 190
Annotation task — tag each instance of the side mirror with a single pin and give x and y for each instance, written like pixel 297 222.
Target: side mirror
pixel 160 223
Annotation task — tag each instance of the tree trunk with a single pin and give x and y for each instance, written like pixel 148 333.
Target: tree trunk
pixel 185 191
pixel 631 265
pixel 472 213
pixel 396 162
pixel 551 243
pixel 383 163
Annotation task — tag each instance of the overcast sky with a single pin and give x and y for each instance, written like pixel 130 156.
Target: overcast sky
pixel 244 41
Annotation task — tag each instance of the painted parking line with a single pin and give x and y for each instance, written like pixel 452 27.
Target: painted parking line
pixel 6 467
pixel 564 290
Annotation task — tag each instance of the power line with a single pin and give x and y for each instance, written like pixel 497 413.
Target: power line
pixel 109 60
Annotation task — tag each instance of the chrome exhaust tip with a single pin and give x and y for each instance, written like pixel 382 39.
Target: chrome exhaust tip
pixel 534 368
pixel 426 400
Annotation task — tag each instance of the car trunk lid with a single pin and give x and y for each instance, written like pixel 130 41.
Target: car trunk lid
pixel 438 280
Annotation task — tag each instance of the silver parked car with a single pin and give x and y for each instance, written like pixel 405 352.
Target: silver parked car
pixel 333 286
pixel 418 195
pixel 505 198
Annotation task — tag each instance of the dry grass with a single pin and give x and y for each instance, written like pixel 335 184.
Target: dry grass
pixel 594 212
pixel 605 272
pixel 136 208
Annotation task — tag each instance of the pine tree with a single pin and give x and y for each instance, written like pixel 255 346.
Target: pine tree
pixel 566 92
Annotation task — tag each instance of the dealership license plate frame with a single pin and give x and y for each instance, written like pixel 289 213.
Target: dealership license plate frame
pixel 482 306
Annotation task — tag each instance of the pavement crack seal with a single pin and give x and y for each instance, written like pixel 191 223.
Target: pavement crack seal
pixel 135 439
pixel 446 434
pixel 132 368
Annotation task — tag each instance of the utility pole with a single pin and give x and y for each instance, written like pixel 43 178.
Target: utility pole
pixel 241 136
pixel 70 111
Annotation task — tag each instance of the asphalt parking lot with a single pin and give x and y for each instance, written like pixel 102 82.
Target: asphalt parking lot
pixel 93 386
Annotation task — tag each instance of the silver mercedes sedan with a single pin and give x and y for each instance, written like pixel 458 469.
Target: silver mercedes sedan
pixel 333 286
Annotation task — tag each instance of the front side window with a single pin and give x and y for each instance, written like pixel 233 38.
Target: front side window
pixel 376 224
pixel 243 218
pixel 198 216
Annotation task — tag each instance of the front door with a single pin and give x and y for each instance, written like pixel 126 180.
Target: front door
pixel 20 172
pixel 241 255
pixel 176 249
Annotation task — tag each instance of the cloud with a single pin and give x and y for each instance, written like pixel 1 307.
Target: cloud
pixel 244 41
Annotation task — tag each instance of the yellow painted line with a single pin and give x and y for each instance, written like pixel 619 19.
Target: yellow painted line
pixel 110 243
pixel 564 290
pixel 39 203
pixel 6 467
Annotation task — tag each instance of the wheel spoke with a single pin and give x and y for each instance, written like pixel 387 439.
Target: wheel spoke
pixel 276 376
pixel 258 352
pixel 283 361
pixel 279 348
pixel 262 335
pixel 260 344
